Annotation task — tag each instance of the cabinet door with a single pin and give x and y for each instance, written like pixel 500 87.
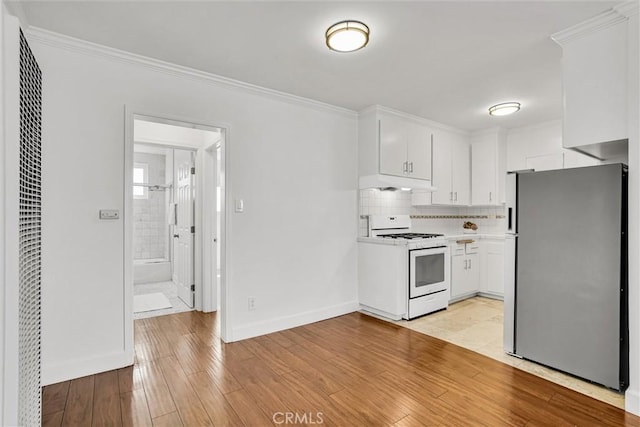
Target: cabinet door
pixel 495 267
pixel 393 146
pixel 473 273
pixel 483 173
pixel 419 151
pixel 461 173
pixel 458 276
pixel 465 275
pixel 441 172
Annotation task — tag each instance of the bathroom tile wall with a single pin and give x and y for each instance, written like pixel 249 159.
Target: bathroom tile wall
pixel 376 202
pixel 150 227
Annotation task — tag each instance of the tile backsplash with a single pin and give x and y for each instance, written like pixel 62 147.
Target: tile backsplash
pixel 150 227
pixel 442 219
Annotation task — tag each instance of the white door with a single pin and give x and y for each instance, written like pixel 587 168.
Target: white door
pixel 184 231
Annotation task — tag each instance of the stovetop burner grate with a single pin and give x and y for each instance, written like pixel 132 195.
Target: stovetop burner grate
pixel 410 236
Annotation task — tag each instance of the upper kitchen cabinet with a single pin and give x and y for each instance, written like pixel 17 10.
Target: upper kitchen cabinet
pixel 599 66
pixel 405 147
pixel 488 167
pixel 450 169
pixel 394 149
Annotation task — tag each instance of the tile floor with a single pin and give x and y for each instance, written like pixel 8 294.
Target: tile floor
pixel 476 324
pixel 169 290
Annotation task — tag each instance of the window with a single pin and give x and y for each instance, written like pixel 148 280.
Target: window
pixel 140 176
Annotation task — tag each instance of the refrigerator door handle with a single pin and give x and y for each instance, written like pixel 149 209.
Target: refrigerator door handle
pixel 510 218
pixel 511 202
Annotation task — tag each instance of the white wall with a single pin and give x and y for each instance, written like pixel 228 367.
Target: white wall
pixel 2 216
pixel 632 396
pixel 540 147
pixel 294 163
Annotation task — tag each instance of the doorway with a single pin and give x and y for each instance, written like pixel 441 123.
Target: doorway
pixel 174 175
pixel 163 241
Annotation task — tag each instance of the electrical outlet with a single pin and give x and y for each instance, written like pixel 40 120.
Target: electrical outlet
pixel 252 303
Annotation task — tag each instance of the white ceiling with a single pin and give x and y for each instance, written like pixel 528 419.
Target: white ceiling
pixel 446 61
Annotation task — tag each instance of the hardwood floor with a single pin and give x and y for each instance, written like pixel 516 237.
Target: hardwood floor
pixel 346 371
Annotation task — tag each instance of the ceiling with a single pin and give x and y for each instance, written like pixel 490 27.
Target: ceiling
pixel 446 61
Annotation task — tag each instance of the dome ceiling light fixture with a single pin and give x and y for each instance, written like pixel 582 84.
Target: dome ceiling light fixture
pixel 504 109
pixel 347 36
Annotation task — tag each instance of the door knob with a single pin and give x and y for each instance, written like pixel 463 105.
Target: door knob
pixel 176 236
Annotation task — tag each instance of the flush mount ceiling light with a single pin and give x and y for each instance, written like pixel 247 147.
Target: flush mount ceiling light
pixel 504 109
pixel 347 36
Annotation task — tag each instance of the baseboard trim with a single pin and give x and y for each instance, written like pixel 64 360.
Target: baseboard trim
pixel 286 322
pixel 632 401
pixel 62 371
pixel 491 295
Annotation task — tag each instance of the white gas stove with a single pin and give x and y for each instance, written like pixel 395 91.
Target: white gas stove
pixel 402 274
pixel 398 229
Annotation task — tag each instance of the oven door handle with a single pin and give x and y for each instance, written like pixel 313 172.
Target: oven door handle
pixel 430 251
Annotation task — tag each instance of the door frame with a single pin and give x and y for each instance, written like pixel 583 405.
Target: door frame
pixel 205 199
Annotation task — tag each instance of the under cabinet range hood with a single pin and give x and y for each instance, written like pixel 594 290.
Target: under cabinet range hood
pixel 394 182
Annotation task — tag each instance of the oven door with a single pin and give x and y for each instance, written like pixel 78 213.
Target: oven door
pixel 428 271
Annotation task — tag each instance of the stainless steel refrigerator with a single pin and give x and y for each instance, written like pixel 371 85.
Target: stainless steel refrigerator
pixel 566 271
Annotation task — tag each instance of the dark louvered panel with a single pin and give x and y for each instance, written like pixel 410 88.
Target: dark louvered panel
pixel 30 236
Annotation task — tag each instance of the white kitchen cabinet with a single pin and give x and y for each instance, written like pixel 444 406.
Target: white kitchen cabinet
pixel 488 168
pixel 419 141
pixel 460 173
pixel 450 169
pixel 405 147
pixel 596 60
pixel 495 267
pixel 465 270
pixel 394 144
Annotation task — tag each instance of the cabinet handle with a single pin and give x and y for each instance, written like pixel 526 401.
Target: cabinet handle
pixel 465 264
pixel 469 264
pixel 451 196
pixel 410 167
pixel 490 195
pixel 405 167
pixel 456 196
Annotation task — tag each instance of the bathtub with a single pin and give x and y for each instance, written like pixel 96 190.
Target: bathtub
pixel 151 270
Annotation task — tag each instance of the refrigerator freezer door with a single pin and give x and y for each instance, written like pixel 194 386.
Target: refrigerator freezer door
pixel 568 271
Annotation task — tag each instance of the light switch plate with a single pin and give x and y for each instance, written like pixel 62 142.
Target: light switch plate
pixel 109 214
pixel 239 205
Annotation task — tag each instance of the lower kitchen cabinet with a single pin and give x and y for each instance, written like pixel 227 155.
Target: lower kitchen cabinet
pixel 495 267
pixel 477 268
pixel 465 270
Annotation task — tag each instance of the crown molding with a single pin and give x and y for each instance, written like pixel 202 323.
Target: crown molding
pixel 16 9
pixel 598 23
pixel 628 9
pixel 61 41
pixel 430 123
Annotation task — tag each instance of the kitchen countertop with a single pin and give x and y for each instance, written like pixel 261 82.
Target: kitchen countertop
pixel 394 242
pixel 494 236
pixel 381 241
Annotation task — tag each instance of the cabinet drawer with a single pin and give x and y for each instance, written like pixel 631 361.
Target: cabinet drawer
pixel 465 247
pixel 457 249
pixel 472 248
